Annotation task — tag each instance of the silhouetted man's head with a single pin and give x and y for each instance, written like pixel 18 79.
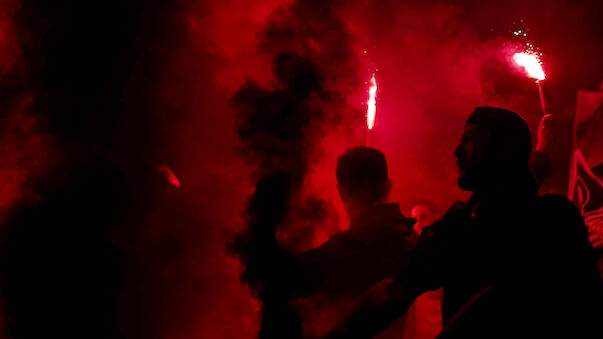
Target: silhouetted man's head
pixel 495 146
pixel 362 178
pixel 425 211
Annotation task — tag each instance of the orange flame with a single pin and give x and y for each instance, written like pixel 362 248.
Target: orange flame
pixel 530 61
pixel 372 104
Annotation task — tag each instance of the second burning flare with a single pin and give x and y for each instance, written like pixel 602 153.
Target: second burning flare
pixel 532 64
pixel 371 110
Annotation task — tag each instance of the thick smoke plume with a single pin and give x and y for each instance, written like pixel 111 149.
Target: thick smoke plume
pixel 105 92
pixel 25 148
pixel 279 129
pixel 435 60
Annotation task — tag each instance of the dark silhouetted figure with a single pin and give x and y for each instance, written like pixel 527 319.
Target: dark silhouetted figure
pixel 512 264
pixel 424 318
pixel 378 242
pixel 375 247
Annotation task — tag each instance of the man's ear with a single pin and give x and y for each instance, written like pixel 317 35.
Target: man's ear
pixel 342 194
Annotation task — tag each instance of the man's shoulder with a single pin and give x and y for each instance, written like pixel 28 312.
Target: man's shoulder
pixel 560 218
pixel 383 231
pixel 555 205
pixel 378 237
pixel 553 198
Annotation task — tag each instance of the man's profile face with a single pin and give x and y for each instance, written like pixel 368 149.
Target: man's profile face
pixel 424 216
pixel 471 155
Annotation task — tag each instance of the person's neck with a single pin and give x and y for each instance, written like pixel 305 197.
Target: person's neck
pixel 505 189
pixel 358 209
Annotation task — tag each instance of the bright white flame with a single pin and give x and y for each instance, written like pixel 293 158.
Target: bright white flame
pixel 530 61
pixel 371 110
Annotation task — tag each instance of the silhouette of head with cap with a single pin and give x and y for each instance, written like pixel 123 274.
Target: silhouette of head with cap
pixel 362 179
pixel 494 151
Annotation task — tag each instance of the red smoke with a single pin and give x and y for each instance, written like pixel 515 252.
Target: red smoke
pixel 25 148
pixel 22 150
pixel 434 63
pixel 434 66
pixel 24 154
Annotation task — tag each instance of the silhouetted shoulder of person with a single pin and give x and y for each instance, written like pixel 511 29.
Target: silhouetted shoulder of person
pixel 542 272
pixel 554 287
pixel 375 247
pixel 566 253
pixel 511 264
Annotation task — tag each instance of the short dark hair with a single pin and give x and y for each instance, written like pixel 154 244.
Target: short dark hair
pixel 363 171
pixel 503 123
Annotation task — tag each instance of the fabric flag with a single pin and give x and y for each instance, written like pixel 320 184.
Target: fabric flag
pixel 586 184
pixel 587 192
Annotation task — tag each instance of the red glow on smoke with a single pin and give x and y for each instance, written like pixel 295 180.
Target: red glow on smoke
pixel 434 71
pixel 169 175
pixel 9 46
pixel 25 147
pixel 24 150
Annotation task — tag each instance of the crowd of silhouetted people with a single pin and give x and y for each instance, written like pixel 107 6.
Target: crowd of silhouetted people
pixel 507 263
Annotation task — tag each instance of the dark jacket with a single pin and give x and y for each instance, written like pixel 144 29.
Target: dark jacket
pixel 375 247
pixel 523 265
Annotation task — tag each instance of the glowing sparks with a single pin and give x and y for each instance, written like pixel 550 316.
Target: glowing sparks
pixel 372 104
pixel 169 175
pixel 530 61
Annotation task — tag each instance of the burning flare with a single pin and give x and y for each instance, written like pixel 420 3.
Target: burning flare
pixel 530 61
pixel 371 110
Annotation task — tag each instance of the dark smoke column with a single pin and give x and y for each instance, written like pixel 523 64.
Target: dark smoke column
pixel 278 127
pixel 273 131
